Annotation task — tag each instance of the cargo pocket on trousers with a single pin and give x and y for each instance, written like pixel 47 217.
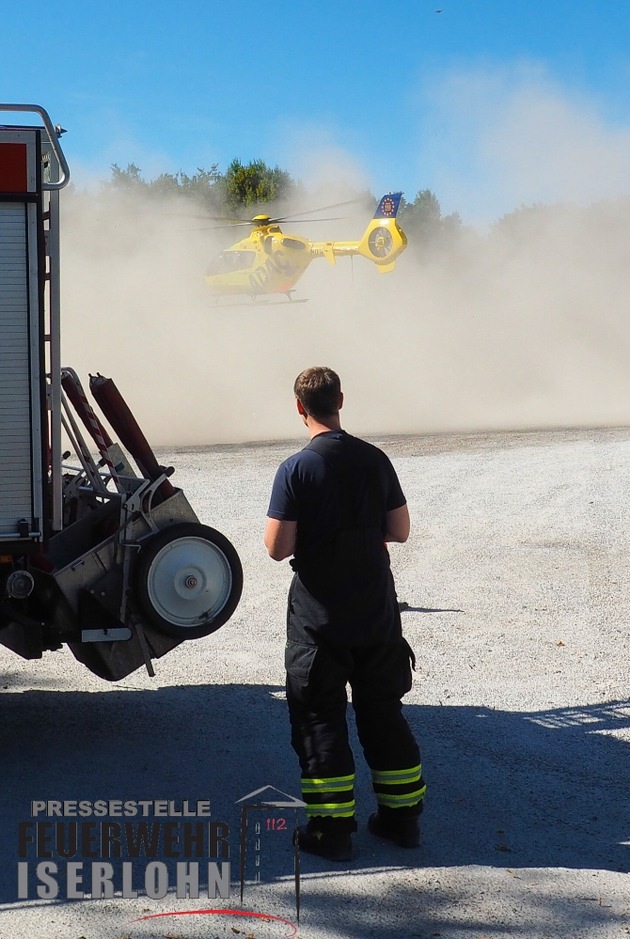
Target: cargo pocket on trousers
pixel 299 658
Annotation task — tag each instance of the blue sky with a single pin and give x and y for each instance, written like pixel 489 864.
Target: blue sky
pixel 490 103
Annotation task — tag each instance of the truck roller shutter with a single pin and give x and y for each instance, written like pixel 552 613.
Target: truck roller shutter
pixel 21 492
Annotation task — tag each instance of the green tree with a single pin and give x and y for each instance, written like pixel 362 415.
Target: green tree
pixel 164 185
pixel 423 221
pixel 255 183
pixel 205 187
pixel 127 180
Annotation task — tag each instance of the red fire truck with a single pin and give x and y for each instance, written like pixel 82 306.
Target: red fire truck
pixel 98 550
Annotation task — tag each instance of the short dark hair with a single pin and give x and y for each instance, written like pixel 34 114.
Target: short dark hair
pixel 319 389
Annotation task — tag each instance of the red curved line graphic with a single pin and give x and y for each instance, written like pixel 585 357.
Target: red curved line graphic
pixel 279 919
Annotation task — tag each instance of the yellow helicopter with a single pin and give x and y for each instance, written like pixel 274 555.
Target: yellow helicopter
pixel 269 262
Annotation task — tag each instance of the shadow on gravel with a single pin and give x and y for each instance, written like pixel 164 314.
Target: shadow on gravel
pixel 508 790
pixel 405 608
pixel 527 789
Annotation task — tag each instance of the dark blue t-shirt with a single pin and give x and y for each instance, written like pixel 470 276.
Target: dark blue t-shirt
pixel 307 488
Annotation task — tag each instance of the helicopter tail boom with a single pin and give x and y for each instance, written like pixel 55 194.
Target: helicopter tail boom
pixel 382 242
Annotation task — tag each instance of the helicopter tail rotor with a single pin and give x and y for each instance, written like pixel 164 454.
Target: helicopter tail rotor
pixel 384 240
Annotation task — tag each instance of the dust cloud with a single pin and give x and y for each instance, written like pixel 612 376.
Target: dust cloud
pixel 523 325
pixel 491 140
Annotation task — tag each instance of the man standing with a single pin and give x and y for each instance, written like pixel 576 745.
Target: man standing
pixel 333 507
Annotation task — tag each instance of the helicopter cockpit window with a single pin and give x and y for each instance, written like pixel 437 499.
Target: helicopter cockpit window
pixel 229 261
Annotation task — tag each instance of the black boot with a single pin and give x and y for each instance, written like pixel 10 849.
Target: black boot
pixel 402 826
pixel 330 838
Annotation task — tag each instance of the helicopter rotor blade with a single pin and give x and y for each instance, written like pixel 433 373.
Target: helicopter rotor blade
pixel 322 208
pixel 241 223
pixel 306 221
pixel 232 223
pixel 271 221
pixel 236 222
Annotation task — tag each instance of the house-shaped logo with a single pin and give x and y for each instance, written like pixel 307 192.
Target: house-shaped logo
pixel 271 798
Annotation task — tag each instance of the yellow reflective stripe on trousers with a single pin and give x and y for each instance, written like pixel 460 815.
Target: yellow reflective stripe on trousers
pixel 323 790
pixel 398 801
pixel 389 777
pixel 337 809
pixel 330 784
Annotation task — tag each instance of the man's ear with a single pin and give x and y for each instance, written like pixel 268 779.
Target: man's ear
pixel 340 400
pixel 300 407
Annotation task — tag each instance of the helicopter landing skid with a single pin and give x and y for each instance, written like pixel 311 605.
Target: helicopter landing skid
pixel 288 302
pixel 259 300
pixel 265 299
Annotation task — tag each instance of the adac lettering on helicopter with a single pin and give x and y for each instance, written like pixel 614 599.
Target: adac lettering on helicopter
pixel 279 263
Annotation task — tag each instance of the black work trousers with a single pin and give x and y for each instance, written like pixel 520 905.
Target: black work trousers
pixel 321 659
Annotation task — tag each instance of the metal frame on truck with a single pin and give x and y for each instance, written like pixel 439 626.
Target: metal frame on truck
pixel 98 550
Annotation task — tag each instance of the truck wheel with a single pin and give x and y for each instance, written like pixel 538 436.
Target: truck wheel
pixel 188 580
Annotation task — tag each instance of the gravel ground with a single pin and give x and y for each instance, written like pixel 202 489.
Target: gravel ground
pixel 515 577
